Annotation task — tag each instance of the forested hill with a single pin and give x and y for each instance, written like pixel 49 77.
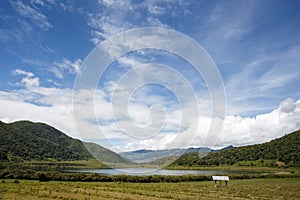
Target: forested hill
pixel 25 140
pixel 284 151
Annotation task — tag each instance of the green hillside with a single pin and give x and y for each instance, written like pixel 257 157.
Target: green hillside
pixel 105 155
pixel 25 140
pixel 284 151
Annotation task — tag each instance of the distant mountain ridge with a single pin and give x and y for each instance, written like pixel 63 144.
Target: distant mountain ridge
pixel 25 140
pixel 148 156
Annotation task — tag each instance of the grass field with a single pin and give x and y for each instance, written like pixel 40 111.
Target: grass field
pixel 285 188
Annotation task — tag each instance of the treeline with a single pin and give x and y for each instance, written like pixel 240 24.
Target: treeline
pixel 282 152
pixel 83 177
pixel 50 166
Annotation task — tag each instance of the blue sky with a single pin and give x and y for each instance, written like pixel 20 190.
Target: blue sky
pixel 254 44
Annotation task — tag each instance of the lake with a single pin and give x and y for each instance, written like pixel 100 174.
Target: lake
pixel 152 171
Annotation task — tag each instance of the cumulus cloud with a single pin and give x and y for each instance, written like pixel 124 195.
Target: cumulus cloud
pixel 287 106
pixel 28 80
pixel 237 130
pixel 264 127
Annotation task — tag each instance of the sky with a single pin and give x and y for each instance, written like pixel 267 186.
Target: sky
pixel 148 98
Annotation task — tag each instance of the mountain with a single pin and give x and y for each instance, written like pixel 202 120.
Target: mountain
pixel 225 148
pixel 148 156
pixel 25 140
pixel 228 147
pixel 284 151
pixel 105 155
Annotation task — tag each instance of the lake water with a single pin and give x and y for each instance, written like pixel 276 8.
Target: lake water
pixel 152 171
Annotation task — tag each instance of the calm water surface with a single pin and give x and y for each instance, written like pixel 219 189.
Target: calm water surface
pixel 151 171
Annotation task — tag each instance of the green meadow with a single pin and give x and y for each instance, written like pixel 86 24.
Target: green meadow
pixel 283 188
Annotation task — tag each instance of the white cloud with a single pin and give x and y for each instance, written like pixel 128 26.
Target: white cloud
pixel 264 127
pixel 287 106
pixel 42 2
pixel 36 17
pixel 58 73
pixel 22 72
pixel 29 81
pixel 119 16
pixel 129 61
pixel 237 130
pixel 104 26
pixel 38 2
pixel 48 105
pixel 68 6
pixel 115 3
pixel 71 67
pixel 157 10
